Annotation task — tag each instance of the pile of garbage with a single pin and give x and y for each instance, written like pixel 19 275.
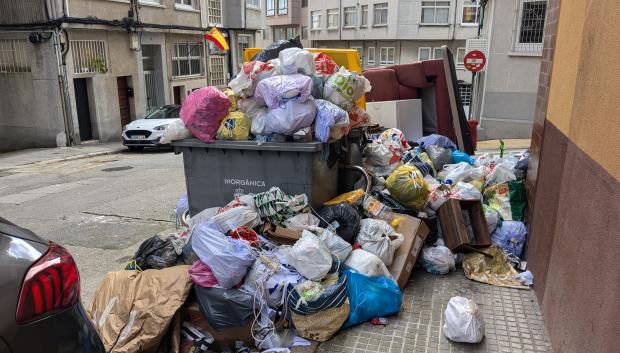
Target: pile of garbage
pixel 284 93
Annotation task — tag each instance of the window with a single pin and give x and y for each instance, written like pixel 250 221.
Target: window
pixel 183 3
pixel 437 53
pixel 214 8
pixel 217 72
pixel 435 12
pixel 14 55
pixel 424 53
pixel 386 56
pixel 304 3
pixel 244 41
pixel 265 34
pixel 360 51
pixel 332 18
pixel 470 12
pixel 186 59
pixel 89 56
pixel 530 26
pixel 460 58
pixel 371 55
pixel 364 16
pixel 253 3
pixel 283 8
pixel 350 16
pixel 150 2
pixel 304 32
pixel 465 93
pixel 380 12
pixel 315 18
pixel 270 7
pixel 280 33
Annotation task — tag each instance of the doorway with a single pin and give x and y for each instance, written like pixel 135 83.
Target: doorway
pixel 177 94
pixel 83 108
pixel 123 100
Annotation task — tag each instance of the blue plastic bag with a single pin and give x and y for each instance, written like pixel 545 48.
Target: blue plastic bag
pixel 460 156
pixel 327 115
pixel 370 297
pixel 436 140
pixel 182 206
pixel 510 236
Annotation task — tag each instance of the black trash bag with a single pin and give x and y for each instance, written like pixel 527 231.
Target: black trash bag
pixel 225 308
pixel 273 50
pixel 188 256
pixel 394 205
pixel 346 216
pixel 154 253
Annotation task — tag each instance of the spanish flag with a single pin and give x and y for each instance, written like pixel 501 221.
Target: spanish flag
pixel 216 37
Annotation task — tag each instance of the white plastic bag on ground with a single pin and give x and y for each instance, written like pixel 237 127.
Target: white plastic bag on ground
pixel 310 257
pixel 463 321
pixel 175 131
pixel 438 260
pixel 379 238
pixel 339 247
pixel 296 60
pixel 302 221
pixel 291 117
pixel 239 212
pixel 465 191
pixel 228 258
pixel 367 263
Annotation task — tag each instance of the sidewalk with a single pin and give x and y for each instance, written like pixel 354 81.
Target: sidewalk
pixel 509 145
pixel 14 159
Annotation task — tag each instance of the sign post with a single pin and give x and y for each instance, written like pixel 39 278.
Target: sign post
pixel 474 61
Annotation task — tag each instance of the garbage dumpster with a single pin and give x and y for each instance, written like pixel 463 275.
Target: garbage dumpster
pixel 216 172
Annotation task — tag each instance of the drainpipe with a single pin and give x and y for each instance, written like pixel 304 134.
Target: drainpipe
pixel 65 100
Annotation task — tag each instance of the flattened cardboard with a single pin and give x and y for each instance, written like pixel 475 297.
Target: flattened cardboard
pixel 281 235
pixel 453 224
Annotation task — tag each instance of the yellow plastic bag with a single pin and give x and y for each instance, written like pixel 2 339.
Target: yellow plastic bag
pixel 235 126
pixel 233 99
pixel 407 185
pixel 354 197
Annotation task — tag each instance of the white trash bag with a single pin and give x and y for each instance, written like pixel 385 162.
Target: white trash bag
pixel 289 118
pixel 463 321
pixel 367 263
pixel 379 238
pixel 438 260
pixel 295 60
pixel 239 212
pixel 310 256
pixel 175 131
pixel 302 221
pixel 465 191
pixel 339 247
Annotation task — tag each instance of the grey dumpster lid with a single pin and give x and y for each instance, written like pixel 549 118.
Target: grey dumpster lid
pixel 252 145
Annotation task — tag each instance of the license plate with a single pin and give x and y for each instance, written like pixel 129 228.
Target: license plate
pixel 138 137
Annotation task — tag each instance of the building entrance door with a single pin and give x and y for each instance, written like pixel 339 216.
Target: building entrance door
pixel 83 109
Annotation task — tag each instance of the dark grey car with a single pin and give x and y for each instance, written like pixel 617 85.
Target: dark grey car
pixel 40 309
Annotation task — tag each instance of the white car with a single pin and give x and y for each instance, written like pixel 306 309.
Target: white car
pixel 148 131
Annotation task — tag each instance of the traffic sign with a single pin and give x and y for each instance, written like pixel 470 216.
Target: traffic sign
pixel 474 61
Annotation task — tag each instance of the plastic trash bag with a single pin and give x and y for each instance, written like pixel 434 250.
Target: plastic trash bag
pixel 438 195
pixel 344 87
pixel 354 197
pixel 491 216
pixel 277 90
pixel 342 219
pixel 494 269
pixel 269 278
pixel 259 122
pixel 367 263
pixel 379 238
pixel 508 199
pixel 436 140
pixel 182 206
pixel 526 278
pixel 296 60
pixel 324 64
pixel 463 321
pixel 228 258
pixel 501 173
pixel 251 73
pixel 175 131
pixel 328 114
pixel 358 117
pixel 310 257
pixel 234 98
pixel 154 253
pixel 203 110
pixel 340 129
pixel 407 185
pixel 202 216
pixel 465 191
pixel 202 275
pixel 460 156
pixel 453 173
pixel 380 158
pixel 302 221
pixel 510 236
pixel 370 297
pixel 438 260
pixel 337 246
pixel 239 212
pixel 439 155
pixel 317 87
pixel 235 126
pixel 276 206
pixel 273 50
pixel 225 308
pixel 290 117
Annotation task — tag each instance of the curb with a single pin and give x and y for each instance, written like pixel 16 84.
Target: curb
pixel 64 159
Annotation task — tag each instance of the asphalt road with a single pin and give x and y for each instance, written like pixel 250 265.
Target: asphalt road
pixel 100 208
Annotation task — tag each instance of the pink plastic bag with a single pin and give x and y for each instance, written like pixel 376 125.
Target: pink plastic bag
pixel 203 110
pixel 202 275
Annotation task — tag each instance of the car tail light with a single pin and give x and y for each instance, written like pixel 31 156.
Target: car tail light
pixel 51 284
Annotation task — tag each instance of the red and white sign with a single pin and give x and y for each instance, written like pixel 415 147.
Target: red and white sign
pixel 475 60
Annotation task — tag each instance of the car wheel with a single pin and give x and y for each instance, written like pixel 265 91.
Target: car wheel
pixel 135 148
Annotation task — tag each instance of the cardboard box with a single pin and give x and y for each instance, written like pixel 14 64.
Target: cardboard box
pixel 455 230
pixel 415 231
pixel 404 114
pixel 280 234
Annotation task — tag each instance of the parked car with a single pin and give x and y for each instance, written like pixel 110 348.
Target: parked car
pixel 148 131
pixel 40 310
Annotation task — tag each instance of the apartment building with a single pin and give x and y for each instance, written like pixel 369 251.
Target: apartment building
pixel 81 69
pixel 286 19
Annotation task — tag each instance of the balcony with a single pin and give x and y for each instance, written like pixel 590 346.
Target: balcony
pixel 29 11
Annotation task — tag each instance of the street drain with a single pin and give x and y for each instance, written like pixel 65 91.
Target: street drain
pixel 116 169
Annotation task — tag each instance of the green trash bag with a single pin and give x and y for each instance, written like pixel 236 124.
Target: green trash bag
pixel 508 199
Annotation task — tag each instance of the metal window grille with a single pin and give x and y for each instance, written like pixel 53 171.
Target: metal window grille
pixel 386 56
pixel 380 14
pixel 316 19
pixel 270 8
pixel 217 72
pixel 435 12
pixel 244 41
pixel 22 11
pixel 187 59
pixel 364 16
pixel 470 12
pixel 14 56
pixel 350 16
pixel 282 7
pixel 371 55
pixel 89 56
pixel 529 33
pixel 465 92
pixel 149 86
pixel 332 18
pixel 215 11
